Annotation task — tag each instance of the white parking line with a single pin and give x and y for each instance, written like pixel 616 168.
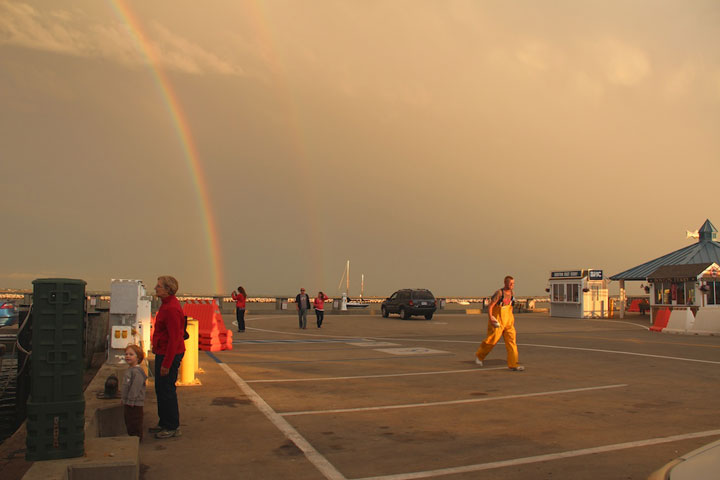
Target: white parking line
pixel 477 342
pixel 542 458
pixel 450 402
pixel 617 321
pixel 320 379
pixel 582 349
pixel 317 459
pixel 620 352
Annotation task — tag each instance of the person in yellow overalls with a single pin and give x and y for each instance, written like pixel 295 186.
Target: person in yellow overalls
pixel 501 323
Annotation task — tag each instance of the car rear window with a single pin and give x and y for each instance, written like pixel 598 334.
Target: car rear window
pixel 423 295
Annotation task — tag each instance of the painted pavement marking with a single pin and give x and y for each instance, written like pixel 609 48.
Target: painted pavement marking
pixel 357 377
pixel 337 360
pixel 451 402
pixel 372 343
pixel 294 340
pixel 583 349
pixel 543 458
pixel 316 458
pixel 620 352
pixel 475 342
pixel 409 351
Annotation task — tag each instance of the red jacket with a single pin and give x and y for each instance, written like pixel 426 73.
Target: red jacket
pixel 320 304
pixel 167 337
pixel 239 300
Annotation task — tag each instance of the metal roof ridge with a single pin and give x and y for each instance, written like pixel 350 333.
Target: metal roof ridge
pixel 656 262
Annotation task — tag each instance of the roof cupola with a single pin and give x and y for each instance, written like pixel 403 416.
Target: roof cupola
pixel 708 232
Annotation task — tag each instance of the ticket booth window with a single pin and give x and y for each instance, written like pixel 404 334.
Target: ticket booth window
pixel 559 292
pixel 667 293
pixel 679 292
pixel 572 292
pixel 713 295
pixel 690 293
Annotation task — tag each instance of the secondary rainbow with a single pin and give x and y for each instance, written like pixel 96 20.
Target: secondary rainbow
pixel 182 129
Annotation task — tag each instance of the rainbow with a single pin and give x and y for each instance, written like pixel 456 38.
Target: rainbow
pixel 180 124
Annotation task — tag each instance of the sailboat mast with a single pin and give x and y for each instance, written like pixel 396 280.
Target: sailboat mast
pixel 362 284
pixel 347 278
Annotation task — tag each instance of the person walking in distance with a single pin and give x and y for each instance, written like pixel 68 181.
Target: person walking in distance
pixel 319 304
pixel 240 296
pixel 501 323
pixel 168 345
pixel 302 300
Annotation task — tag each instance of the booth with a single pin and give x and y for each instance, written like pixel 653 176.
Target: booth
pixel 685 298
pixel 578 294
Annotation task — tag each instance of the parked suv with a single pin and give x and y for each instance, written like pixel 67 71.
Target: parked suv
pixel 408 302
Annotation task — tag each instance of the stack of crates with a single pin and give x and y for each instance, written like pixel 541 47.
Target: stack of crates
pixel 56 409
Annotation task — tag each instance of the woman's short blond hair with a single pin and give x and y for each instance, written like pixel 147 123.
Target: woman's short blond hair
pixel 169 282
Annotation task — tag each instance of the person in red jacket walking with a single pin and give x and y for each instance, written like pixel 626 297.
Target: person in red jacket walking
pixel 168 346
pixel 319 304
pixel 240 297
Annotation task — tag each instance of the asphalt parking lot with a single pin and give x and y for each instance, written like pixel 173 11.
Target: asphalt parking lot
pixel 367 397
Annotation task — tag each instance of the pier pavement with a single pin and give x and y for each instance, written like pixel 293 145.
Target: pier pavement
pixel 372 398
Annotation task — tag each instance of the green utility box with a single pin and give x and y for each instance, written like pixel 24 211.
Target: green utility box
pixel 55 430
pixel 55 420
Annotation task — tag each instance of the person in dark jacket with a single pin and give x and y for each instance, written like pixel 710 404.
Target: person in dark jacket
pixel 168 346
pixel 302 300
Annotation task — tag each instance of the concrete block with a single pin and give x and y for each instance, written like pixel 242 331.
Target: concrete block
pixel 109 421
pixel 707 321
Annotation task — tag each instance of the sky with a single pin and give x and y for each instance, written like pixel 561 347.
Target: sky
pixel 438 145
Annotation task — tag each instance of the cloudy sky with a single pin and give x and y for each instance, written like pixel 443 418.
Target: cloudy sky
pixel 433 144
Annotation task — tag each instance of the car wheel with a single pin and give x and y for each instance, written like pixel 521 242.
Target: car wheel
pixel 385 313
pixel 428 316
pixel 403 314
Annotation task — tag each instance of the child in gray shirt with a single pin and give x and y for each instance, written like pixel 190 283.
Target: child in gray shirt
pixel 133 390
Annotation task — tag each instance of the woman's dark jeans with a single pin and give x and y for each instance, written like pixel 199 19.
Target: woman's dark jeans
pixel 240 319
pixel 167 405
pixel 320 314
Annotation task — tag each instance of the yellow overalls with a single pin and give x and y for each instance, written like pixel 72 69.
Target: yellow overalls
pixel 504 315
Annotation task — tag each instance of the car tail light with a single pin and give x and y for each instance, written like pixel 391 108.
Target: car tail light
pixel 411 303
pixel 7 305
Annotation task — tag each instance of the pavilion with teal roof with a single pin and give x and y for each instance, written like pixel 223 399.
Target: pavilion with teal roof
pixel 705 251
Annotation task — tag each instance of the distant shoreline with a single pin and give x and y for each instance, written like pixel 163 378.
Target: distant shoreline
pixel 105 295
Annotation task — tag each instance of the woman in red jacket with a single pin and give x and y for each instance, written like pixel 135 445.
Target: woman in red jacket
pixel 168 346
pixel 319 304
pixel 240 296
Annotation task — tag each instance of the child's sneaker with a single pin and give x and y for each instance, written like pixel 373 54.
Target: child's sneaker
pixel 519 368
pixel 478 362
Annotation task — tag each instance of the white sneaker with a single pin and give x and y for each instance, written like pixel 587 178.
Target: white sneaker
pixel 519 368
pixel 478 362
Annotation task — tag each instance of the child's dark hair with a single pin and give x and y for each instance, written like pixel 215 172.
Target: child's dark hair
pixel 138 351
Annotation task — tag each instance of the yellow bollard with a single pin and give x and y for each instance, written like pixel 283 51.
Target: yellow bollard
pixel 189 363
